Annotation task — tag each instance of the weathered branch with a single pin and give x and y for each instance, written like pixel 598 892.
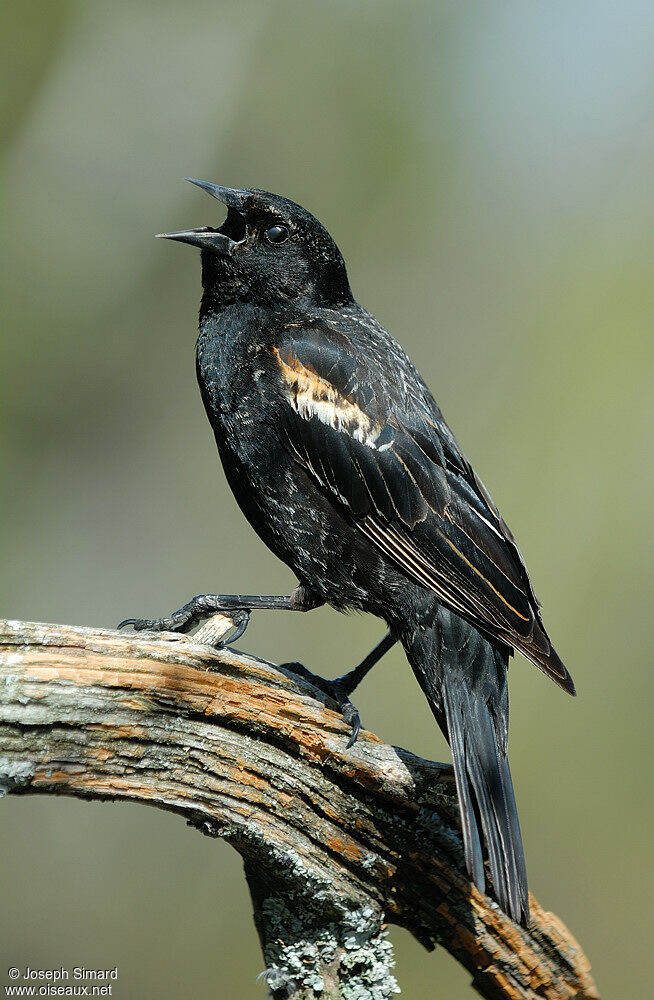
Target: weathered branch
pixel 335 842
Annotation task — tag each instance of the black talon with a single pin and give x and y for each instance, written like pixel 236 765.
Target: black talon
pixel 356 729
pixel 349 712
pixel 128 621
pixel 153 625
pixel 335 690
pixel 142 625
pixel 241 622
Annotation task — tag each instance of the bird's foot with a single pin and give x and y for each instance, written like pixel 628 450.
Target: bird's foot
pixel 190 615
pixel 336 690
pixel 236 607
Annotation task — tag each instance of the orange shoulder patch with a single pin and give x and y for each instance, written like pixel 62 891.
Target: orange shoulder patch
pixel 312 396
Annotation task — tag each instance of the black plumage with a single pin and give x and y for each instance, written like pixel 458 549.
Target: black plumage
pixel 341 460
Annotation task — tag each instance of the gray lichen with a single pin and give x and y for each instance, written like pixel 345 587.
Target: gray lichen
pixel 317 943
pixel 303 951
pixel 14 774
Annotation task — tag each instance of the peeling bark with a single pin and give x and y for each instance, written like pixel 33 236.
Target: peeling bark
pixel 336 843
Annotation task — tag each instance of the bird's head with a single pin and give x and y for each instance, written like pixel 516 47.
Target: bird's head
pixel 267 251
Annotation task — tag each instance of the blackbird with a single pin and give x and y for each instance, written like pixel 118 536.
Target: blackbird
pixel 340 459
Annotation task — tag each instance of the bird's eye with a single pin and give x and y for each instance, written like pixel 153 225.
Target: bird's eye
pixel 277 234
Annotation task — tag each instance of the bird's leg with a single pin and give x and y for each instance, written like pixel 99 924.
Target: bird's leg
pixel 342 687
pixel 237 607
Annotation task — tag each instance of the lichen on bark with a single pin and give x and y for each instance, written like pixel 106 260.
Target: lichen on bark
pixel 312 957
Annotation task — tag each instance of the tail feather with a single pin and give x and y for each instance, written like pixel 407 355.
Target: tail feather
pixel 464 678
pixel 492 787
pixel 471 840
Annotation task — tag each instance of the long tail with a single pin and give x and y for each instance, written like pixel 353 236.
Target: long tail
pixel 464 678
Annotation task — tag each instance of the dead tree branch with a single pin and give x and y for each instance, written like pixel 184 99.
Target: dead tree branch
pixel 335 842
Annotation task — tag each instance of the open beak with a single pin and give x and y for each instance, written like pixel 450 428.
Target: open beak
pixel 231 197
pixel 205 237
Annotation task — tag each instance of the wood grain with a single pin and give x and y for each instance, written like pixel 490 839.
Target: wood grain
pixel 249 752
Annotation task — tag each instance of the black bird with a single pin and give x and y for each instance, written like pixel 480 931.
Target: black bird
pixel 340 459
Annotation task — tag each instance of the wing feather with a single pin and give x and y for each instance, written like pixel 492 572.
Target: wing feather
pixel 402 480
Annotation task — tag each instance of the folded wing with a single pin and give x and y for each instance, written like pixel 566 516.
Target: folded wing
pixel 401 478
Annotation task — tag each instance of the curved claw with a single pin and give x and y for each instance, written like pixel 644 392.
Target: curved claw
pixel 142 625
pixel 350 714
pixel 356 729
pixel 129 621
pixel 147 625
pixel 220 634
pixel 239 626
pixel 177 622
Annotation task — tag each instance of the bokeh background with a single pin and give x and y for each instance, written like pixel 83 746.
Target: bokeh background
pixel 487 171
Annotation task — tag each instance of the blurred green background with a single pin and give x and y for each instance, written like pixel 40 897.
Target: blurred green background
pixel 487 171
